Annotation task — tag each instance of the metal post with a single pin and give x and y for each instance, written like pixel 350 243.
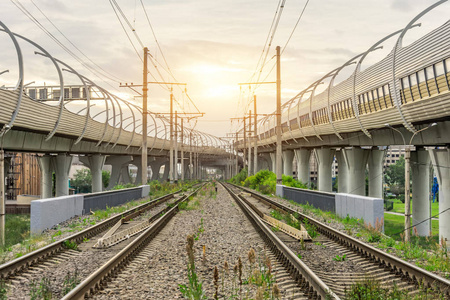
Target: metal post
pixel 171 138
pixel 2 196
pixel 255 137
pixel 191 166
pixel 182 152
pixel 249 171
pixel 279 149
pixel 176 148
pixel 244 160
pixel 236 155
pixel 144 120
pixel 407 195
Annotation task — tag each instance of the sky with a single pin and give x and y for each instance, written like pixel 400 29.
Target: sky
pixel 210 45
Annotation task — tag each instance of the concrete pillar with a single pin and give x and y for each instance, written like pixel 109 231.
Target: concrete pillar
pixel 440 159
pixel 96 163
pixel 45 166
pixel 137 161
pixel 420 173
pixel 357 161
pixel 62 164
pixel 264 162
pixel 273 158
pixel 375 163
pixel 166 171
pixel 125 174
pixel 342 171
pixel 117 162
pixel 7 165
pixel 288 158
pixel 302 157
pixel 155 165
pixel 324 157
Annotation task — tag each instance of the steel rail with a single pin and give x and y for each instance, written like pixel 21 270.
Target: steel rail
pixel 397 265
pixel 24 262
pixel 111 268
pixel 301 273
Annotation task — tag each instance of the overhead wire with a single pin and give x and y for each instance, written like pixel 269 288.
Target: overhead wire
pixel 77 48
pixel 28 14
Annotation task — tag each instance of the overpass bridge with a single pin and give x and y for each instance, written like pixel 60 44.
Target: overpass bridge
pixel 404 97
pixel 88 120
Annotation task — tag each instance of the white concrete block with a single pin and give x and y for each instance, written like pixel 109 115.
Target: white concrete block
pixel 45 213
pixel 279 190
pixel 145 190
pixel 359 208
pixel 350 206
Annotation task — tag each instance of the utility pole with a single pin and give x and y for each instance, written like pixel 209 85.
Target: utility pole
pixel 144 120
pixel 279 149
pixel 249 171
pixel 176 147
pixel 236 155
pixel 255 136
pixel 245 144
pixel 407 194
pixel 191 166
pixel 182 152
pixel 171 138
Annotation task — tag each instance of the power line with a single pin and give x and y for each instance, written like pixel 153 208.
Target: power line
pixel 106 72
pixel 295 27
pixel 42 27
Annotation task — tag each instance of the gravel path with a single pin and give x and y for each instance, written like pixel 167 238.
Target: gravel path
pixel 226 234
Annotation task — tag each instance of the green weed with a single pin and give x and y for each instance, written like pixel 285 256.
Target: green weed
pixel 41 290
pixel 340 258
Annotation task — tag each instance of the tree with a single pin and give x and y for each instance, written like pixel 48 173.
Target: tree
pixel 395 177
pixel 82 181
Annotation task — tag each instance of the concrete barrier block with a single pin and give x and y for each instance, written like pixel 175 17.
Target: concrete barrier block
pixel 145 190
pixel 46 213
pixel 280 190
pixel 350 206
pixel 341 201
pixel 359 208
pixel 374 211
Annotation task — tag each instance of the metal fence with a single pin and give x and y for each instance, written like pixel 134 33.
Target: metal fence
pixel 110 198
pixel 321 200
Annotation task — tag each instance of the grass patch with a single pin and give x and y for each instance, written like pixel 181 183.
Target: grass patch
pixel 399 207
pixel 393 224
pixel 17 229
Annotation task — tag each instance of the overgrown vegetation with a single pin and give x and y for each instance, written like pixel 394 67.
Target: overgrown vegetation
pixel 264 181
pixel 18 230
pixel 71 280
pixel 41 289
pixel 3 290
pixel 194 289
pixel 82 180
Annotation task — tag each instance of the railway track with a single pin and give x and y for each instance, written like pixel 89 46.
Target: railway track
pixel 367 262
pixel 110 279
pixel 33 264
pixel 98 279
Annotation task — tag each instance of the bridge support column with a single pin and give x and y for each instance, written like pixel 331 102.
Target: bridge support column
pixel 264 162
pixel 440 159
pixel 137 161
pixel 274 161
pixel 166 171
pixel 125 174
pixel 375 163
pixel 288 158
pixel 155 165
pixel 45 166
pixel 324 157
pixel 343 171
pixel 95 163
pixel 117 162
pixel 62 163
pixel 302 156
pixel 420 171
pixel 356 162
